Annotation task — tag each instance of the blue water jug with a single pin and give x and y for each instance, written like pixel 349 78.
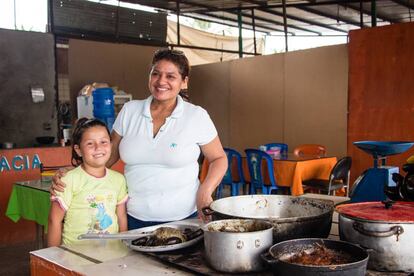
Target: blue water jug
pixel 103 106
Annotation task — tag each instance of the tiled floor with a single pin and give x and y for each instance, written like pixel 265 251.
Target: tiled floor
pixel 14 260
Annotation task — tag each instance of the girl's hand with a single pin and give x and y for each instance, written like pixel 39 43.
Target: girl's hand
pixel 203 200
pixel 57 184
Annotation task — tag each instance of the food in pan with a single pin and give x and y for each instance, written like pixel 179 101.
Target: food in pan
pixel 237 227
pixel 320 255
pixel 167 236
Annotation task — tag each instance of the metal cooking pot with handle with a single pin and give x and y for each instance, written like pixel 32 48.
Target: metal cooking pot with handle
pixel 291 217
pixel 235 245
pixel 386 230
pixel 279 257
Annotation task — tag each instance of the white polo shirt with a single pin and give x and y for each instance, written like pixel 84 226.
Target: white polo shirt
pixel 162 171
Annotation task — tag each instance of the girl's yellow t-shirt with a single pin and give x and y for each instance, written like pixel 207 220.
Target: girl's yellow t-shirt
pixel 90 203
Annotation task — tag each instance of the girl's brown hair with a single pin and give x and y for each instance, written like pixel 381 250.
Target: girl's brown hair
pixel 81 126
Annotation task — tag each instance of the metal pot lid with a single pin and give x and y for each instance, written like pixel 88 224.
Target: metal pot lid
pixel 398 212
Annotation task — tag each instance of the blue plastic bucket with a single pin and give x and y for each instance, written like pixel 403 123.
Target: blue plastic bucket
pixel 103 105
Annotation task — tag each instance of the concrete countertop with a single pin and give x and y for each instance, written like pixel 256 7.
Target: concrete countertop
pixel 113 257
pixel 107 257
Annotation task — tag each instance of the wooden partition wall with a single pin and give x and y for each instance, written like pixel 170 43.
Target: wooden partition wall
pixel 295 98
pixel 252 101
pixel 122 65
pixel 381 96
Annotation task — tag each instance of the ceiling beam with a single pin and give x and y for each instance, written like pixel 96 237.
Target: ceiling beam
pixel 347 6
pixel 404 3
pixel 203 6
pixel 327 15
pixel 304 6
pixel 233 20
pixel 310 22
pixel 368 12
pixel 258 18
pixel 206 8
pixel 229 19
pixel 279 23
pixel 276 22
pixel 264 9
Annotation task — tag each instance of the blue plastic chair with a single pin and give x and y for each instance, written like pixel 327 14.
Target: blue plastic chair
pixel 283 147
pixel 255 159
pixel 235 184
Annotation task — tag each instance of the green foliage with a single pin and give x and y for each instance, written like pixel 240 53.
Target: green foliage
pixel 202 25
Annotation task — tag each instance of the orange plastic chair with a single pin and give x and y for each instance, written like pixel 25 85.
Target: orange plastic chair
pixel 311 149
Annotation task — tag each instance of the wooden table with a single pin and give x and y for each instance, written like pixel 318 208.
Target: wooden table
pixel 289 170
pixel 31 200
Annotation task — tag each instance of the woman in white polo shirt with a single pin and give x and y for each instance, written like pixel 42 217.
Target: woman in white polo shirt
pixel 159 139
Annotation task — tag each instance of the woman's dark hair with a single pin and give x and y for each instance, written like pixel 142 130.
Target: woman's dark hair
pixel 180 60
pixel 81 126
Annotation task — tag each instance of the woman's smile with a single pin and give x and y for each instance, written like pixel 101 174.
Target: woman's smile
pixel 165 81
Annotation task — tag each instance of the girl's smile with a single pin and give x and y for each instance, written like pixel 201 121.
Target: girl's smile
pixel 95 150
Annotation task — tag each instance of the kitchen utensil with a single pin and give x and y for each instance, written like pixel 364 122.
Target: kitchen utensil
pixel 385 229
pixel 118 236
pixel 279 254
pixel 291 217
pixel 229 249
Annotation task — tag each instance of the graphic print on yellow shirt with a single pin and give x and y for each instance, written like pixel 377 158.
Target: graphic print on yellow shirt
pixel 101 220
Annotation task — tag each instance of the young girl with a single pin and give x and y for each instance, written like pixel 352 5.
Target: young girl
pixel 94 200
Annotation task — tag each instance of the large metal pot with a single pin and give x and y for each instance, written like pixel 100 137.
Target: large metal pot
pixel 387 232
pixel 235 245
pixel 291 217
pixel 279 255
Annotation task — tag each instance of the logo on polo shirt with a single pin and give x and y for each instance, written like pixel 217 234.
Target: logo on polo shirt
pixel 173 145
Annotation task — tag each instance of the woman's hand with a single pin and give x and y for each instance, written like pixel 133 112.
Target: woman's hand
pixel 203 200
pixel 57 184
pixel 217 159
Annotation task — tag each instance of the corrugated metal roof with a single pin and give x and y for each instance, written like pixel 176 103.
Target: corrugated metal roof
pixel 321 17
